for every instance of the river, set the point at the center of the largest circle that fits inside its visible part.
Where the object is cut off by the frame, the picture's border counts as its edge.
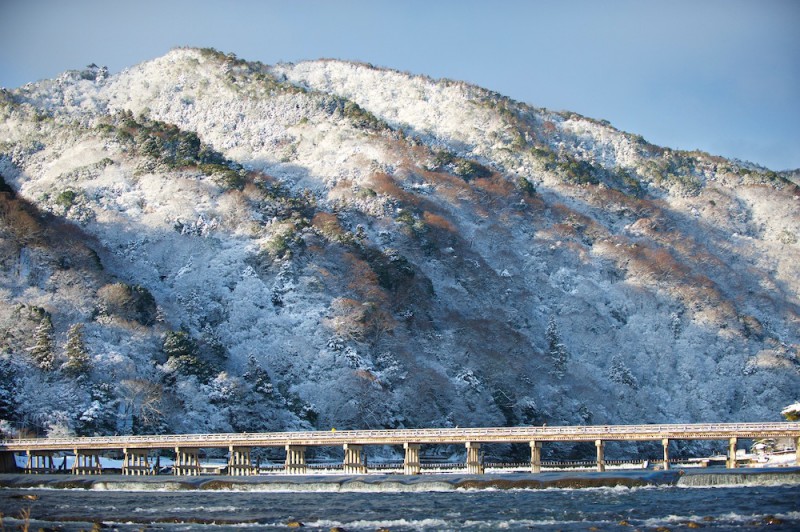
(711, 501)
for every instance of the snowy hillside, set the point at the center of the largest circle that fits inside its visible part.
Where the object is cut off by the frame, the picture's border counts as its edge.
(201, 243)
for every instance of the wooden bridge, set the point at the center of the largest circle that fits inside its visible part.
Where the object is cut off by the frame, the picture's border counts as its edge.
(137, 449)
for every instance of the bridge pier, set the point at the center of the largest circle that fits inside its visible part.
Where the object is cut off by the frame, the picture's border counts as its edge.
(187, 462)
(601, 455)
(665, 443)
(295, 460)
(474, 465)
(732, 453)
(239, 463)
(87, 462)
(411, 465)
(39, 462)
(536, 457)
(135, 462)
(353, 462)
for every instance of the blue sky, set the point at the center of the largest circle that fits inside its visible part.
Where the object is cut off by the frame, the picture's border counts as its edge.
(718, 75)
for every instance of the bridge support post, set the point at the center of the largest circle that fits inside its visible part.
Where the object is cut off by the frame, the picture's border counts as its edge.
(353, 463)
(601, 455)
(135, 462)
(474, 465)
(665, 443)
(732, 453)
(39, 462)
(87, 462)
(411, 465)
(295, 460)
(239, 462)
(187, 462)
(536, 457)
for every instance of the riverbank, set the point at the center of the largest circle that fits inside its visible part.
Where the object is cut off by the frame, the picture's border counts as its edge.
(404, 483)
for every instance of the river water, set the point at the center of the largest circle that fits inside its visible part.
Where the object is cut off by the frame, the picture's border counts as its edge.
(384, 505)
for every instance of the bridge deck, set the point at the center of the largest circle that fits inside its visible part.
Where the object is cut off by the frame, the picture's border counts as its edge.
(712, 431)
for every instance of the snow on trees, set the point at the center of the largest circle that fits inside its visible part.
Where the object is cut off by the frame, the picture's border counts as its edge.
(42, 350)
(7, 379)
(134, 303)
(792, 412)
(557, 350)
(78, 362)
(415, 218)
(621, 373)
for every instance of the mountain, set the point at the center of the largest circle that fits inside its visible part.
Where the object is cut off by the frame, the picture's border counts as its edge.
(202, 243)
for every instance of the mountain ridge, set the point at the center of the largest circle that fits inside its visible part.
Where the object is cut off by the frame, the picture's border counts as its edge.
(334, 244)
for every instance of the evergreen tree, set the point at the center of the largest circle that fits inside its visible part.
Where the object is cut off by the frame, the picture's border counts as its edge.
(621, 374)
(78, 362)
(188, 147)
(557, 350)
(260, 406)
(100, 416)
(258, 378)
(148, 145)
(42, 350)
(178, 344)
(182, 356)
(7, 379)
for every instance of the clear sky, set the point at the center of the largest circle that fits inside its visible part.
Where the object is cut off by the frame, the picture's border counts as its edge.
(718, 75)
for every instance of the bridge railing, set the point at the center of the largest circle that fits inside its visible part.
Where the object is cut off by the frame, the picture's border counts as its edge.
(399, 436)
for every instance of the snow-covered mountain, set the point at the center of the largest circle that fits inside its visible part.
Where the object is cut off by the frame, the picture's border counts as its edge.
(201, 243)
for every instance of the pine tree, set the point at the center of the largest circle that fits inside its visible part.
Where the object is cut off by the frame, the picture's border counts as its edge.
(621, 374)
(7, 380)
(149, 146)
(557, 350)
(42, 350)
(78, 362)
(260, 406)
(182, 356)
(258, 378)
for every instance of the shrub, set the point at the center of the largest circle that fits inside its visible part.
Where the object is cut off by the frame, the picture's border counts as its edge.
(20, 218)
(629, 182)
(362, 118)
(442, 158)
(392, 269)
(438, 222)
(787, 237)
(328, 226)
(66, 198)
(278, 245)
(791, 412)
(133, 303)
(469, 170)
(546, 156)
(169, 145)
(525, 186)
(226, 177)
(578, 172)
